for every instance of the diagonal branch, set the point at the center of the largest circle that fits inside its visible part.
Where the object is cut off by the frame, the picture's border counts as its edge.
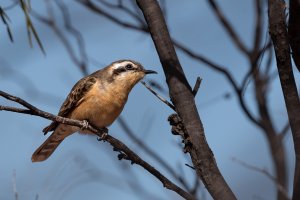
(225, 23)
(265, 172)
(80, 62)
(121, 147)
(92, 6)
(151, 153)
(228, 76)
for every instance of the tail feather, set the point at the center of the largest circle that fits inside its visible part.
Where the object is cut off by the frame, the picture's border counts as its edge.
(47, 148)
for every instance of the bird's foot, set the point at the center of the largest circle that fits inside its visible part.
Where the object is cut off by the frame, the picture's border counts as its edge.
(103, 133)
(85, 125)
(104, 130)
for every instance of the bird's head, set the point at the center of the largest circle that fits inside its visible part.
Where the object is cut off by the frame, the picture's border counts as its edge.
(127, 72)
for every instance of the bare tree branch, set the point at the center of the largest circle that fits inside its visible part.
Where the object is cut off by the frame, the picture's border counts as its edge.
(119, 6)
(159, 97)
(197, 86)
(279, 35)
(89, 4)
(77, 35)
(151, 153)
(227, 26)
(228, 76)
(82, 62)
(258, 26)
(183, 99)
(294, 31)
(253, 56)
(265, 172)
(126, 153)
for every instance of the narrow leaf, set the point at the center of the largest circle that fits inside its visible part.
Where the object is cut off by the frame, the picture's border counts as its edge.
(9, 34)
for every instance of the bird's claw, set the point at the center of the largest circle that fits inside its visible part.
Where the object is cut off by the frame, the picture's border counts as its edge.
(103, 133)
(104, 130)
(85, 125)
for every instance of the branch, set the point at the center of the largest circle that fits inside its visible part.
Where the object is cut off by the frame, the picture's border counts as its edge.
(227, 75)
(121, 147)
(159, 97)
(197, 86)
(294, 31)
(151, 153)
(198, 57)
(227, 26)
(77, 35)
(82, 62)
(183, 100)
(279, 36)
(266, 173)
(93, 7)
(258, 26)
(284, 130)
(119, 6)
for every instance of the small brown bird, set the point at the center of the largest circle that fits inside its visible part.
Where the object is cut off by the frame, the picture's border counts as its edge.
(98, 98)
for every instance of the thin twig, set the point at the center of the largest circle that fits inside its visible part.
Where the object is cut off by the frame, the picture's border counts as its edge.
(264, 172)
(80, 62)
(159, 97)
(227, 26)
(190, 166)
(197, 86)
(92, 6)
(76, 34)
(198, 57)
(120, 6)
(284, 130)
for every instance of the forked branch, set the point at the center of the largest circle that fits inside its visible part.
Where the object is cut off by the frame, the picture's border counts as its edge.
(126, 152)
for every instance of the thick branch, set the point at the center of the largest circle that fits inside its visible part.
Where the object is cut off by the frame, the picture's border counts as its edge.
(294, 30)
(121, 147)
(279, 36)
(183, 99)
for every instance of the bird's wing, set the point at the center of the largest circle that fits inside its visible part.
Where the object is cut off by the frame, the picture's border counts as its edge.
(73, 100)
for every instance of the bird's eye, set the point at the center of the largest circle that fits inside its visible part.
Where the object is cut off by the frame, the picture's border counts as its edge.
(129, 67)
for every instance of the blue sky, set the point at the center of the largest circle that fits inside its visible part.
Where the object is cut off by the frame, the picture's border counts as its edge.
(84, 168)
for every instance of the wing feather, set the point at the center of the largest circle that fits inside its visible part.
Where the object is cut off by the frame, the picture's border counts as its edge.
(73, 100)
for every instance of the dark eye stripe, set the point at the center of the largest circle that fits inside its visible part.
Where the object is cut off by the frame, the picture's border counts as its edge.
(119, 70)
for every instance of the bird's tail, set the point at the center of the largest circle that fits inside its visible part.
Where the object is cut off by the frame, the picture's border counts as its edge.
(48, 147)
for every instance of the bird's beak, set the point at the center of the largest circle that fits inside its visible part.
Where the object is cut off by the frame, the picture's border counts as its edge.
(150, 72)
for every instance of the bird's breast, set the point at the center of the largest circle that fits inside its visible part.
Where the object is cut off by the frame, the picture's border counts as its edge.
(100, 106)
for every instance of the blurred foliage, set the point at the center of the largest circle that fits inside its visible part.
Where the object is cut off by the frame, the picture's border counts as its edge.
(5, 20)
(30, 28)
(31, 31)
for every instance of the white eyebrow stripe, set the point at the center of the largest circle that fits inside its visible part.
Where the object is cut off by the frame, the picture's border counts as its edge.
(121, 64)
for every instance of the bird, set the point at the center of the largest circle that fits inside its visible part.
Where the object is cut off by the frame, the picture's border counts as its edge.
(97, 99)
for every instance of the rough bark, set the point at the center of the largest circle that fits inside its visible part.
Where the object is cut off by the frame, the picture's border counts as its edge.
(183, 99)
(279, 36)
